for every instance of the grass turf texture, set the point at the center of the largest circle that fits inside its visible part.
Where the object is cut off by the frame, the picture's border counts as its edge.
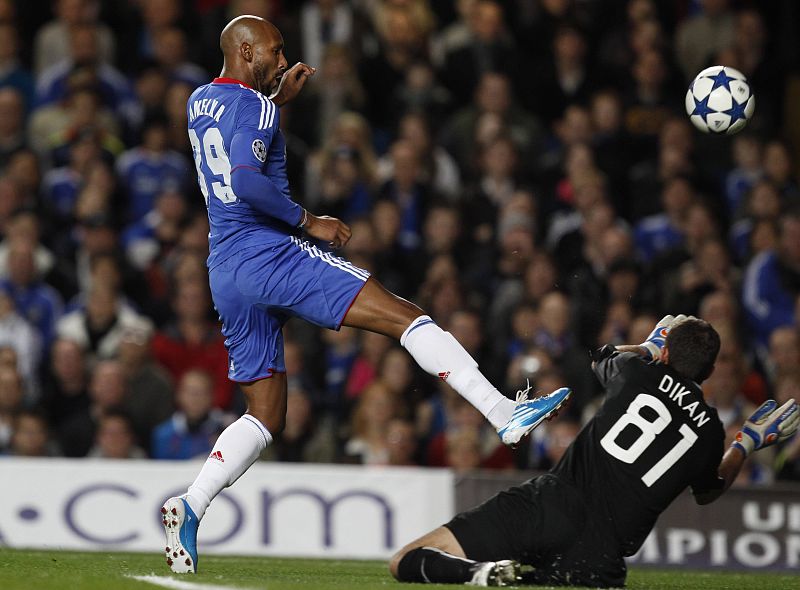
(57, 570)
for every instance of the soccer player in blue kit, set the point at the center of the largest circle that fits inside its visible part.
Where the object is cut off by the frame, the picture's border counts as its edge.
(262, 273)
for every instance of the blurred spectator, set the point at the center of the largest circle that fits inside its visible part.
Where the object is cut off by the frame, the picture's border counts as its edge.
(566, 72)
(402, 443)
(150, 240)
(193, 341)
(772, 283)
(364, 369)
(657, 233)
(784, 354)
(13, 75)
(341, 348)
(740, 180)
(408, 188)
(490, 49)
(34, 299)
(83, 58)
(99, 325)
(348, 136)
(149, 400)
(439, 169)
(195, 426)
(374, 411)
(115, 438)
(17, 334)
(31, 437)
(170, 53)
(107, 395)
(151, 168)
(12, 122)
(11, 404)
(454, 36)
(700, 36)
(335, 89)
(52, 41)
(777, 166)
(323, 22)
(65, 387)
(402, 35)
(467, 441)
(492, 111)
(651, 99)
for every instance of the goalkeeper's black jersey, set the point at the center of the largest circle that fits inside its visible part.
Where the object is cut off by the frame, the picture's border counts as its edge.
(653, 436)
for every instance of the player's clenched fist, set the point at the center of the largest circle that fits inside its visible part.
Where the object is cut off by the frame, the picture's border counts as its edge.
(292, 81)
(328, 229)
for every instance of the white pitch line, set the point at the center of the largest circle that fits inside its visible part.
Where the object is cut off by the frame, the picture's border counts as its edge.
(166, 582)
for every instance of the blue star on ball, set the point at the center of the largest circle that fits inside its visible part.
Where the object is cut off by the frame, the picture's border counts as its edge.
(736, 112)
(721, 79)
(702, 109)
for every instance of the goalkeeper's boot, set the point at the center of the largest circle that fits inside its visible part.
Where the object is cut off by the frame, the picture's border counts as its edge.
(180, 525)
(529, 413)
(495, 573)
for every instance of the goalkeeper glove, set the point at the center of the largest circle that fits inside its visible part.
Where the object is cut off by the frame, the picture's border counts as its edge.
(655, 341)
(768, 425)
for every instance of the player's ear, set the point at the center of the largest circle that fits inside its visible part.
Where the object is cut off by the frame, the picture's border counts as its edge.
(246, 50)
(665, 354)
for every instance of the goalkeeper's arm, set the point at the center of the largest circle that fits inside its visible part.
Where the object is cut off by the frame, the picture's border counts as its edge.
(765, 427)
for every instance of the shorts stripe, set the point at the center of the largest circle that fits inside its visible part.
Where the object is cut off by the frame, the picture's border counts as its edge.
(328, 258)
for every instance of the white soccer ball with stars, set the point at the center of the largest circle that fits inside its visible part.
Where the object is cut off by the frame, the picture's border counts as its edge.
(720, 100)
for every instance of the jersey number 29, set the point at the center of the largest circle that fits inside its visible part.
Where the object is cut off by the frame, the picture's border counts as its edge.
(648, 430)
(212, 149)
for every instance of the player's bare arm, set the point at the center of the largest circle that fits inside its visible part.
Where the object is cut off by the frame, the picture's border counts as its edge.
(292, 83)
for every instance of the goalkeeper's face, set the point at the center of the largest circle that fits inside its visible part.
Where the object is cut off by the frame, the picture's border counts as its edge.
(269, 63)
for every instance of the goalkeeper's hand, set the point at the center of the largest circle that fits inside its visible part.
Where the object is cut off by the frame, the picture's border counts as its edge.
(768, 425)
(655, 341)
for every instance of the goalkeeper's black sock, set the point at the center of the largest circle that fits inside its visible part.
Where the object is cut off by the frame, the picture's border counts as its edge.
(426, 564)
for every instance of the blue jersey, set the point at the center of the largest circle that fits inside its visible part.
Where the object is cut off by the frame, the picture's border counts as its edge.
(240, 155)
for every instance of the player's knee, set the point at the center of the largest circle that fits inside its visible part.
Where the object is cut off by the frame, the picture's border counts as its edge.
(275, 424)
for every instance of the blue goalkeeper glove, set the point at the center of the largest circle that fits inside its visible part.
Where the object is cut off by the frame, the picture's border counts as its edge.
(655, 341)
(768, 425)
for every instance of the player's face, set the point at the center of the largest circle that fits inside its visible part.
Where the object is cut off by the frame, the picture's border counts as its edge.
(269, 63)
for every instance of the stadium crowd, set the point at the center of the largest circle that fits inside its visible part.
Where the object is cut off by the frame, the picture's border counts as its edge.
(523, 169)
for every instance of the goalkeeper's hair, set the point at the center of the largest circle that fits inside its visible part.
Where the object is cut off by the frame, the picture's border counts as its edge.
(693, 347)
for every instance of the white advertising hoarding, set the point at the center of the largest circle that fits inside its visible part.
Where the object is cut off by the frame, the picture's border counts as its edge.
(274, 509)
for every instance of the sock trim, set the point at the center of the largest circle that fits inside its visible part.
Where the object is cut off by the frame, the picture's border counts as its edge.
(420, 321)
(261, 428)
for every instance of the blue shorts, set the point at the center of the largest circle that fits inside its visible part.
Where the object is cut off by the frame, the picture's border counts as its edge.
(256, 290)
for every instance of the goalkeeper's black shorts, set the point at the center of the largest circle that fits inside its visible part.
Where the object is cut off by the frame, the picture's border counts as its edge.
(543, 523)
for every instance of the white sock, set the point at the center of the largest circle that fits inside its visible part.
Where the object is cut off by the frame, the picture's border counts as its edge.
(441, 355)
(235, 451)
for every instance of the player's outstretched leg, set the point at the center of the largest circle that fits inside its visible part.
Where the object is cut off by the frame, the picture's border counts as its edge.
(529, 413)
(180, 527)
(439, 354)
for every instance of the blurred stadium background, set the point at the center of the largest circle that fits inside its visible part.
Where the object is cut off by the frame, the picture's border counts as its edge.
(523, 169)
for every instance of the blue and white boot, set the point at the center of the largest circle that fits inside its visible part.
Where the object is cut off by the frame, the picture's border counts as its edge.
(529, 413)
(180, 526)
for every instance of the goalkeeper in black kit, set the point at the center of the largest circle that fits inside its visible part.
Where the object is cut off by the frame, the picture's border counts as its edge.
(653, 436)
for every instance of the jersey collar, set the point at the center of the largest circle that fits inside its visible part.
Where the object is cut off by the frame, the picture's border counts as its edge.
(230, 81)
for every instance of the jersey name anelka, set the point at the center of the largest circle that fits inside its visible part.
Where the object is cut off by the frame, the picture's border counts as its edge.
(233, 126)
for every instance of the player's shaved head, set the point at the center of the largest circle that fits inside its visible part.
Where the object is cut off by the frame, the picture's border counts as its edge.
(252, 48)
(244, 29)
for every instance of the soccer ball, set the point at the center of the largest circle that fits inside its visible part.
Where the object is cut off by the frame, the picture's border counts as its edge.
(719, 100)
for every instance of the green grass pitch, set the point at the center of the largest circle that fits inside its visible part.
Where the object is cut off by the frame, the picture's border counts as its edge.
(59, 570)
